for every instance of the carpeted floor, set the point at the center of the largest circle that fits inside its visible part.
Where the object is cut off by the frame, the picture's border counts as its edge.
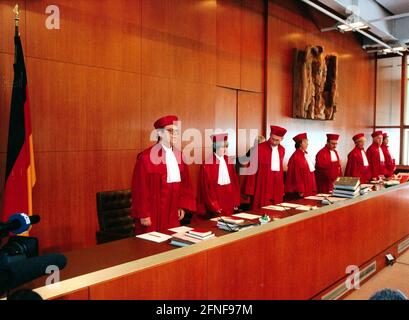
(392, 277)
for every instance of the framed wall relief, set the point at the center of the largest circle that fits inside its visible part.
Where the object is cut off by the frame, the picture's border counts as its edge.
(314, 84)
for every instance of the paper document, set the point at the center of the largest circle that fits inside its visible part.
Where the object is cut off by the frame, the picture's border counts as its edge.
(181, 229)
(277, 208)
(315, 198)
(335, 199)
(289, 205)
(323, 195)
(244, 215)
(154, 236)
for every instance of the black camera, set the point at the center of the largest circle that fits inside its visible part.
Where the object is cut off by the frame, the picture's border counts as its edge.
(18, 248)
(20, 262)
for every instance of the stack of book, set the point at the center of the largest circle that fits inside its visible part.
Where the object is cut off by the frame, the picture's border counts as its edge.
(346, 187)
(200, 234)
(191, 237)
(234, 224)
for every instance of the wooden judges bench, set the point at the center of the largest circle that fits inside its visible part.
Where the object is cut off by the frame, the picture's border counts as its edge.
(303, 255)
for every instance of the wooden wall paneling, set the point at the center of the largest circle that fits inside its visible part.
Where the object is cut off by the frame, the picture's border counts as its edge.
(193, 38)
(155, 104)
(226, 115)
(229, 268)
(6, 86)
(228, 43)
(252, 46)
(157, 50)
(181, 279)
(250, 116)
(287, 262)
(83, 108)
(194, 102)
(105, 33)
(65, 192)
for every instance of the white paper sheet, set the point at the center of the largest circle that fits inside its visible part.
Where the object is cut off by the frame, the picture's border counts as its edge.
(154, 236)
(315, 198)
(245, 215)
(323, 195)
(181, 229)
(334, 199)
(289, 205)
(277, 208)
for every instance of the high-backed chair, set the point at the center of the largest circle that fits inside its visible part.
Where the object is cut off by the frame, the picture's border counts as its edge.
(114, 215)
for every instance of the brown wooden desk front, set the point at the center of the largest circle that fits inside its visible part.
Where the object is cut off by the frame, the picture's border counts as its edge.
(296, 257)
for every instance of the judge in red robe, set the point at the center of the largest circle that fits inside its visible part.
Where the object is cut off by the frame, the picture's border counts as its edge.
(357, 164)
(264, 180)
(390, 165)
(161, 186)
(300, 179)
(218, 185)
(327, 165)
(375, 155)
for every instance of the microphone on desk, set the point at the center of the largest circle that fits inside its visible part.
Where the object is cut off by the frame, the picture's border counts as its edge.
(18, 223)
(15, 274)
(224, 221)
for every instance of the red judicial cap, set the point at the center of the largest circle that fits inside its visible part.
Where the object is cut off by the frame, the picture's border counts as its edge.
(332, 136)
(278, 131)
(219, 137)
(377, 133)
(300, 137)
(358, 136)
(385, 135)
(165, 121)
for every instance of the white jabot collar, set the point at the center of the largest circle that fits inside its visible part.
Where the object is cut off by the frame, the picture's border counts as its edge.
(223, 175)
(172, 167)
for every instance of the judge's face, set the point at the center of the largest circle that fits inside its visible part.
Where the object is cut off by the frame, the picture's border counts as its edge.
(304, 144)
(360, 143)
(169, 135)
(385, 141)
(378, 140)
(332, 144)
(222, 149)
(275, 140)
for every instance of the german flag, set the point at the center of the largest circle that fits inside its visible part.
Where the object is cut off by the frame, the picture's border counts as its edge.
(20, 171)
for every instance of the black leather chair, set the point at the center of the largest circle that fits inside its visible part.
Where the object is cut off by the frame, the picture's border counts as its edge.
(114, 216)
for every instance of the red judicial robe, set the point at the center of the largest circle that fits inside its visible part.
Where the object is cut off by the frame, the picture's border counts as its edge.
(326, 170)
(266, 186)
(153, 197)
(299, 178)
(390, 166)
(376, 166)
(211, 197)
(355, 166)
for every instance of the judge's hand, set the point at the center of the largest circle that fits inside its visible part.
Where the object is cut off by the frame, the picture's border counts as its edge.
(146, 222)
(236, 209)
(181, 214)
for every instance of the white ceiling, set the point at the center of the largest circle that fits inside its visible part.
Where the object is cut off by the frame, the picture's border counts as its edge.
(395, 6)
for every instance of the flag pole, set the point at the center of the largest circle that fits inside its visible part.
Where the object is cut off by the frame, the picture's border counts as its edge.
(16, 19)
